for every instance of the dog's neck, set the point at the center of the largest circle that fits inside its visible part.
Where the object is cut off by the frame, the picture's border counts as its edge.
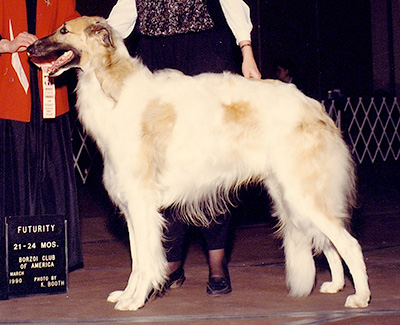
(112, 75)
(112, 68)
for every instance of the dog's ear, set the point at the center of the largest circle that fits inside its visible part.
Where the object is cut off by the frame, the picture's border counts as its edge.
(103, 31)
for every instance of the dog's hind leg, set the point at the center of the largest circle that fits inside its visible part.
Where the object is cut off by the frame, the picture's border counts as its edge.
(347, 247)
(330, 225)
(350, 250)
(149, 264)
(337, 273)
(308, 215)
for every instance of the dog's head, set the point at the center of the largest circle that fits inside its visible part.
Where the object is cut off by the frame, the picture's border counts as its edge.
(74, 44)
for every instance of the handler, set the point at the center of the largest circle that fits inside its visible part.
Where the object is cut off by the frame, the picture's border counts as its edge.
(36, 163)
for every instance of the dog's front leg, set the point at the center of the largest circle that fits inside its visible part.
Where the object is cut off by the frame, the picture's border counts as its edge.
(149, 264)
(127, 294)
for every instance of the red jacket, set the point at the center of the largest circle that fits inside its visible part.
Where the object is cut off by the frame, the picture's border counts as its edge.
(15, 104)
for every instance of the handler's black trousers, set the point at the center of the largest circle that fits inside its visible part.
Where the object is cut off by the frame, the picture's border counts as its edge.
(215, 236)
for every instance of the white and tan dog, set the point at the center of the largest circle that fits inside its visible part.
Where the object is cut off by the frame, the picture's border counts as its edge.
(169, 139)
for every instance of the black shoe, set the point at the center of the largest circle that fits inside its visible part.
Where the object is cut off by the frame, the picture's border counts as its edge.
(175, 280)
(219, 286)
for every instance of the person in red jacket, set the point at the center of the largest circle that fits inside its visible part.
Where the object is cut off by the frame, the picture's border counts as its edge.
(36, 163)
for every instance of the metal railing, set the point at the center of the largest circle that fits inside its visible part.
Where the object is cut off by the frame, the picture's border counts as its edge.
(370, 127)
(84, 150)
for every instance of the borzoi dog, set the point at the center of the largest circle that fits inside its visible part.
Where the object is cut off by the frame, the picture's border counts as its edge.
(172, 140)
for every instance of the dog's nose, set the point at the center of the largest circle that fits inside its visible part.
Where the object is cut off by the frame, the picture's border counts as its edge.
(30, 49)
(33, 48)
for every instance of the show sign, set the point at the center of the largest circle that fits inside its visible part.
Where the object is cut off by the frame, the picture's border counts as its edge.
(36, 255)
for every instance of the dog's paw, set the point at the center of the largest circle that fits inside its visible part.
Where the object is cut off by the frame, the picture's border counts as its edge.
(331, 287)
(130, 304)
(114, 296)
(126, 301)
(357, 301)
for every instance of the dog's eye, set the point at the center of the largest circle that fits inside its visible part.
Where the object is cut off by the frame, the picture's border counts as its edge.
(63, 30)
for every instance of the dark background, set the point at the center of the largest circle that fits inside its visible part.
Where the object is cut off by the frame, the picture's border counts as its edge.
(329, 41)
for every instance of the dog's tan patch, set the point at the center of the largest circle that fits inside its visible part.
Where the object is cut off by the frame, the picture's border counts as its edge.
(239, 112)
(158, 121)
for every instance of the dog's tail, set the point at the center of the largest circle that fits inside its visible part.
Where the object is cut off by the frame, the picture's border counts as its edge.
(300, 265)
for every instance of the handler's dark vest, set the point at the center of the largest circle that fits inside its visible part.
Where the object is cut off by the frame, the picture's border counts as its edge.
(170, 17)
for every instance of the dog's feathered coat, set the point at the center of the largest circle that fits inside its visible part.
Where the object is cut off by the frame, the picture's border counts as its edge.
(169, 139)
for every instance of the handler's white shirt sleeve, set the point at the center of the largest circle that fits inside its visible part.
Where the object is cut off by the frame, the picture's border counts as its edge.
(123, 17)
(237, 14)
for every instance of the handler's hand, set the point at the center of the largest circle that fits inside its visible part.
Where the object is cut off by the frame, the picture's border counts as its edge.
(249, 65)
(250, 69)
(19, 44)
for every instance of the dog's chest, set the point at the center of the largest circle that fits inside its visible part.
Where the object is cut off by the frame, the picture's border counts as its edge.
(94, 107)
